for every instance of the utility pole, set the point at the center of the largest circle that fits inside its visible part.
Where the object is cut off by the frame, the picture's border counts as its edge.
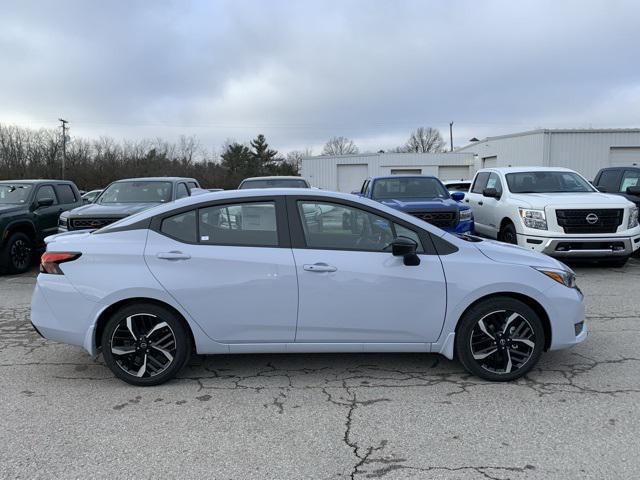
(451, 134)
(64, 144)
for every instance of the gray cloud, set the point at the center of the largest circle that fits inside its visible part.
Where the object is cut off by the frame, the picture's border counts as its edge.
(301, 71)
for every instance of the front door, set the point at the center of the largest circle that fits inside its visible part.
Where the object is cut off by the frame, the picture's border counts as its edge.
(46, 217)
(351, 289)
(228, 266)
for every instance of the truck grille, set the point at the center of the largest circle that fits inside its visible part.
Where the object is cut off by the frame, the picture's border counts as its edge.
(90, 223)
(439, 219)
(590, 221)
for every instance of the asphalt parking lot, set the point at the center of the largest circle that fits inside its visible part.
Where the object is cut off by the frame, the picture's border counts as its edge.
(577, 415)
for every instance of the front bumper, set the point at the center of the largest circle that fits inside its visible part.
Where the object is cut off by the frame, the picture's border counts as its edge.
(464, 226)
(581, 247)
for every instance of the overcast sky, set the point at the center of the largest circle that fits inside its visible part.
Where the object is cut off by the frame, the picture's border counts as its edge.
(302, 71)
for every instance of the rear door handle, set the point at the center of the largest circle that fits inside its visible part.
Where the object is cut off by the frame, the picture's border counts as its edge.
(319, 267)
(173, 256)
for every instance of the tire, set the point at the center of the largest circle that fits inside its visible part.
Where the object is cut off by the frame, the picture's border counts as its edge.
(17, 255)
(508, 234)
(614, 262)
(145, 344)
(502, 358)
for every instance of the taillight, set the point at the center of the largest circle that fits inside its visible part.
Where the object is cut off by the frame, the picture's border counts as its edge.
(50, 261)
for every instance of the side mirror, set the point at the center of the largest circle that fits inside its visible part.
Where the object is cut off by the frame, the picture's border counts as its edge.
(44, 202)
(407, 248)
(457, 196)
(355, 192)
(602, 189)
(635, 190)
(491, 193)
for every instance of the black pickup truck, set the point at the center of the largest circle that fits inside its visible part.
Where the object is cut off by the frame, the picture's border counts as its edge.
(623, 181)
(29, 211)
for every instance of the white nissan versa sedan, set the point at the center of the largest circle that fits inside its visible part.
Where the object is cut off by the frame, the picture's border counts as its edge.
(249, 271)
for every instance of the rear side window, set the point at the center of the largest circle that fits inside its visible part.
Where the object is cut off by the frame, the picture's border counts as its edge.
(181, 227)
(244, 224)
(181, 191)
(480, 183)
(66, 194)
(46, 191)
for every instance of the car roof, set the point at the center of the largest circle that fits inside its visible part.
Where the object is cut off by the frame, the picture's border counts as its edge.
(154, 179)
(448, 182)
(261, 192)
(36, 181)
(276, 177)
(525, 169)
(380, 177)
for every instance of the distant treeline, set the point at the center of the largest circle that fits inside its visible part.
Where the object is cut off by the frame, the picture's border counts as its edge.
(27, 153)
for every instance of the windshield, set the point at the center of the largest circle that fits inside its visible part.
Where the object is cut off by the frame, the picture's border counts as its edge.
(409, 187)
(274, 183)
(14, 193)
(136, 192)
(547, 182)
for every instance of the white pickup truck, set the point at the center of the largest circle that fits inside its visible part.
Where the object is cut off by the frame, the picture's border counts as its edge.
(554, 211)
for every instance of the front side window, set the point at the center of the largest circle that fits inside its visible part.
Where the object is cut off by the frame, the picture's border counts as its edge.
(629, 179)
(547, 182)
(181, 191)
(14, 193)
(341, 227)
(494, 182)
(409, 187)
(274, 183)
(136, 192)
(46, 191)
(480, 183)
(244, 224)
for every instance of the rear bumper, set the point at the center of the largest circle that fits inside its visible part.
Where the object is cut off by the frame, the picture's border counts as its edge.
(581, 247)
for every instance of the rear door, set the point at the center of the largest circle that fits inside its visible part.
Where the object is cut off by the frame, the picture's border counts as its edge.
(230, 265)
(351, 288)
(475, 199)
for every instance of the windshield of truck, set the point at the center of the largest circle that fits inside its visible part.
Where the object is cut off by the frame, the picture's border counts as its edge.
(136, 192)
(547, 182)
(409, 187)
(14, 193)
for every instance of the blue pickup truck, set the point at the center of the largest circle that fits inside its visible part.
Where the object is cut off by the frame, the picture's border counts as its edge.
(422, 196)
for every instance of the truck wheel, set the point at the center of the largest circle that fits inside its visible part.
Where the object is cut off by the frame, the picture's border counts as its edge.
(17, 254)
(508, 234)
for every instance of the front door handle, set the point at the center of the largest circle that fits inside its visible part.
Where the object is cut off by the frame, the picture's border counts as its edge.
(319, 267)
(480, 202)
(173, 256)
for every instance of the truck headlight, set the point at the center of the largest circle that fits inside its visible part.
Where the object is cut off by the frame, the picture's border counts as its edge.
(466, 215)
(533, 218)
(633, 218)
(63, 222)
(565, 277)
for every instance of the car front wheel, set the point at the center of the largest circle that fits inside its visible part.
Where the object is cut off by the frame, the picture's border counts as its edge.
(145, 344)
(500, 339)
(17, 254)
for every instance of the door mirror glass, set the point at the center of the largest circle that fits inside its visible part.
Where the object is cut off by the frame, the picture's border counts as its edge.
(491, 193)
(44, 202)
(457, 196)
(407, 248)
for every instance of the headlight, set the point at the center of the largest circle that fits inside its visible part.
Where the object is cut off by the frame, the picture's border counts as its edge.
(533, 218)
(633, 218)
(466, 214)
(63, 222)
(565, 277)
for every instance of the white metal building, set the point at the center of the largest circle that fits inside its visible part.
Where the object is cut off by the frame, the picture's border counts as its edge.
(585, 151)
(345, 173)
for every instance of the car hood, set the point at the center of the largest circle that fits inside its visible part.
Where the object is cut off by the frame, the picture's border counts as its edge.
(110, 210)
(416, 204)
(11, 208)
(506, 253)
(541, 200)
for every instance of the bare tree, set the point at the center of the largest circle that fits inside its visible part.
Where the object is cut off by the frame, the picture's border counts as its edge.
(424, 140)
(294, 157)
(339, 146)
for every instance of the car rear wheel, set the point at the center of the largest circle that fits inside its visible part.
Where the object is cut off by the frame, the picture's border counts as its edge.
(508, 234)
(145, 344)
(500, 339)
(17, 254)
